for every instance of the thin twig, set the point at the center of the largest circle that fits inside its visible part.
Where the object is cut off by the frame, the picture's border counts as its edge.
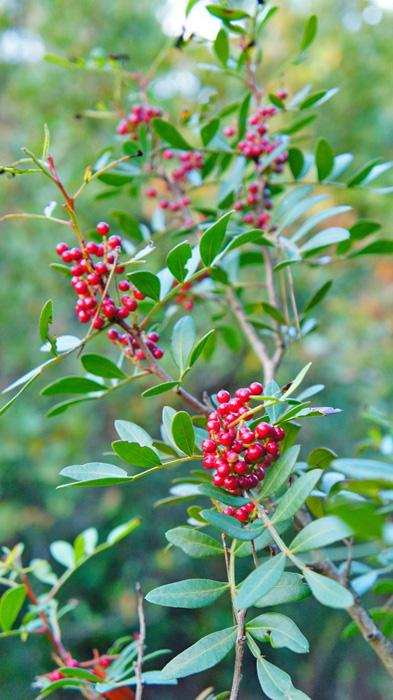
(240, 641)
(141, 645)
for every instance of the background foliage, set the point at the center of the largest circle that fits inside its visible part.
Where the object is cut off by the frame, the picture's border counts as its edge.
(353, 357)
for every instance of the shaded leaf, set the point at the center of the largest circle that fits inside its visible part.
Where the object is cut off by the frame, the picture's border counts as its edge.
(207, 652)
(327, 591)
(191, 593)
(260, 581)
(102, 367)
(194, 543)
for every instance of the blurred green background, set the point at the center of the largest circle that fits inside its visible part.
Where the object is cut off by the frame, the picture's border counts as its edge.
(351, 351)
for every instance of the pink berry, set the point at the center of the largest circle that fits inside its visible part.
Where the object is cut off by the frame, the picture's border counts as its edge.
(102, 228)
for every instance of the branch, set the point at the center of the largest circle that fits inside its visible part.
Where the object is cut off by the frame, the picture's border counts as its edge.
(369, 630)
(252, 336)
(141, 644)
(240, 640)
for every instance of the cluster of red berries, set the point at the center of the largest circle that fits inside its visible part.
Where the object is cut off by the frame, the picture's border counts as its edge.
(92, 265)
(186, 297)
(257, 204)
(237, 454)
(176, 200)
(257, 142)
(138, 115)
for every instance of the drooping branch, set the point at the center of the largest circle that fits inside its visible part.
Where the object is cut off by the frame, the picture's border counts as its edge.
(141, 645)
(369, 630)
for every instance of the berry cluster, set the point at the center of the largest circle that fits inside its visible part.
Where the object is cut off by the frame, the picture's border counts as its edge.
(257, 142)
(138, 115)
(93, 266)
(186, 297)
(257, 204)
(237, 454)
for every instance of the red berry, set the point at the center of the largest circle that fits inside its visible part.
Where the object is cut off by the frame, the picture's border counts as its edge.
(83, 316)
(164, 204)
(253, 188)
(102, 228)
(151, 192)
(279, 433)
(108, 309)
(81, 287)
(229, 510)
(122, 312)
(241, 515)
(91, 248)
(240, 468)
(139, 354)
(67, 256)
(129, 302)
(223, 396)
(217, 480)
(90, 303)
(114, 242)
(93, 279)
(158, 353)
(255, 452)
(138, 295)
(76, 254)
(101, 269)
(209, 461)
(223, 470)
(167, 154)
(55, 676)
(124, 285)
(249, 507)
(246, 436)
(98, 323)
(272, 447)
(226, 439)
(61, 248)
(263, 430)
(113, 334)
(154, 337)
(256, 388)
(243, 394)
(230, 483)
(105, 662)
(209, 445)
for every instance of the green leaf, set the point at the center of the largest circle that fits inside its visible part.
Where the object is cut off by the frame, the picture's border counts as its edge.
(194, 543)
(191, 593)
(380, 247)
(131, 432)
(274, 313)
(364, 469)
(207, 652)
(320, 533)
(280, 629)
(294, 498)
(209, 130)
(283, 468)
(318, 98)
(10, 605)
(63, 553)
(135, 454)
(260, 581)
(147, 283)
(296, 162)
(46, 319)
(213, 238)
(361, 175)
(297, 381)
(276, 683)
(221, 496)
(325, 238)
(321, 457)
(226, 13)
(102, 367)
(72, 385)
(230, 525)
(310, 32)
(363, 228)
(288, 589)
(318, 296)
(121, 531)
(327, 591)
(93, 471)
(74, 672)
(183, 432)
(221, 46)
(168, 133)
(182, 341)
(324, 159)
(200, 346)
(177, 259)
(159, 388)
